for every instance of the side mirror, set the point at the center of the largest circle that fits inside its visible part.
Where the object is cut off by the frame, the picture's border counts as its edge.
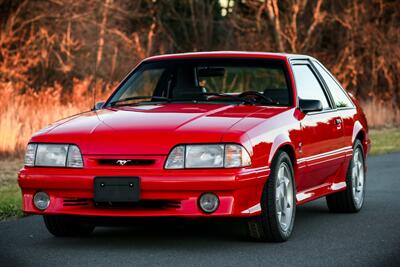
(310, 105)
(98, 105)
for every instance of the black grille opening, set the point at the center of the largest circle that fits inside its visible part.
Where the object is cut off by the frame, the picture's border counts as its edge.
(76, 202)
(143, 204)
(126, 162)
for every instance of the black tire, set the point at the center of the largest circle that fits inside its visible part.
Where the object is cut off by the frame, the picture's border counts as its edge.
(64, 226)
(345, 201)
(266, 227)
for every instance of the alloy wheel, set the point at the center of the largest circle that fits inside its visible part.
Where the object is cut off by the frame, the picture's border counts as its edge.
(357, 176)
(284, 197)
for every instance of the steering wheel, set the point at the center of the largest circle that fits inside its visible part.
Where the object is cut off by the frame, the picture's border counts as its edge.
(255, 95)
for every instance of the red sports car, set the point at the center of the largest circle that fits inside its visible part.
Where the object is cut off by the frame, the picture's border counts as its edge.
(216, 134)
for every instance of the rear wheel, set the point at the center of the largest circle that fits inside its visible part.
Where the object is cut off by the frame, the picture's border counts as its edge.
(60, 225)
(352, 199)
(278, 203)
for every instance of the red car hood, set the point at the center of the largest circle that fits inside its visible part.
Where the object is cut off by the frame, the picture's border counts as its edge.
(151, 129)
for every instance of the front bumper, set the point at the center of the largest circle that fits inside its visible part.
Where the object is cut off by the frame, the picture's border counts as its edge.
(176, 191)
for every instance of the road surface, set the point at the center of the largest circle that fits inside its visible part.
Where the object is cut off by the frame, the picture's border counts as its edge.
(371, 237)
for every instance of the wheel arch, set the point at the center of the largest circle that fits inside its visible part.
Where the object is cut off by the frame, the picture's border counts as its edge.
(360, 133)
(283, 143)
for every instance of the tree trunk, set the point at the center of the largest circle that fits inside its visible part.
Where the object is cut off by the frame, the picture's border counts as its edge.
(103, 27)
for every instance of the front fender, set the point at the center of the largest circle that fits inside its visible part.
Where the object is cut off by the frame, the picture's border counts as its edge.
(279, 141)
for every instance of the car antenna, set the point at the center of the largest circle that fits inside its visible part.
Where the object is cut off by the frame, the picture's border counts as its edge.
(94, 87)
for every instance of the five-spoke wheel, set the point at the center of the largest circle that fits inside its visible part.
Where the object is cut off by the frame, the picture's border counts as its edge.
(284, 196)
(351, 199)
(278, 206)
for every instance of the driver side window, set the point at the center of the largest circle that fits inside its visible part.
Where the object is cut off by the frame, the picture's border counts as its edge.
(308, 86)
(142, 83)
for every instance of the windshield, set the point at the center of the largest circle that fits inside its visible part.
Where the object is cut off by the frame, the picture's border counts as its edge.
(265, 82)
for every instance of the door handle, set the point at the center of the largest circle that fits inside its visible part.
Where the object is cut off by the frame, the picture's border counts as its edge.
(338, 121)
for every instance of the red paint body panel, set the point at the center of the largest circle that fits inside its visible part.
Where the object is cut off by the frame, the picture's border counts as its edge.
(236, 190)
(321, 152)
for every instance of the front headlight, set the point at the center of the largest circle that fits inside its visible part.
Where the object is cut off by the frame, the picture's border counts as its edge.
(53, 155)
(208, 156)
(204, 156)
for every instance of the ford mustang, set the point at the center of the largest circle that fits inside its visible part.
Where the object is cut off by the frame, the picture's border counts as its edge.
(212, 134)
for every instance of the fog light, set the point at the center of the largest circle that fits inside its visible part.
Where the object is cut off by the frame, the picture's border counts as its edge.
(209, 202)
(41, 200)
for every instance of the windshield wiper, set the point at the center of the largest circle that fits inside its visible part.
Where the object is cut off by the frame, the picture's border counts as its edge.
(224, 96)
(234, 97)
(115, 103)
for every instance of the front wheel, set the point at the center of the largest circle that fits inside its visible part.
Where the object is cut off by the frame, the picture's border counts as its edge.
(352, 199)
(60, 225)
(278, 203)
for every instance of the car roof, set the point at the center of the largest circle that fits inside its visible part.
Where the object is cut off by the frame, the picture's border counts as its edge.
(236, 54)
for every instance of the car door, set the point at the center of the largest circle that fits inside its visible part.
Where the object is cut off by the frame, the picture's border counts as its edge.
(344, 106)
(321, 132)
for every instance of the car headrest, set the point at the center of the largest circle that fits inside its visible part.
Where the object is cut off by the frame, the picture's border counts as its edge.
(279, 95)
(189, 92)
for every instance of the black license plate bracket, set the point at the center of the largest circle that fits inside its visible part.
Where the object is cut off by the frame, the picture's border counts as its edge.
(116, 189)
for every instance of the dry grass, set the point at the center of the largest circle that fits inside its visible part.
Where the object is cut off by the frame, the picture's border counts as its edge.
(10, 194)
(385, 140)
(380, 114)
(23, 114)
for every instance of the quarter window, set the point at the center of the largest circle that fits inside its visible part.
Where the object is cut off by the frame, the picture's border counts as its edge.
(308, 86)
(339, 96)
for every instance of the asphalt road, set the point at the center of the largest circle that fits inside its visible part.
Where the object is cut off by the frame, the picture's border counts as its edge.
(371, 237)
